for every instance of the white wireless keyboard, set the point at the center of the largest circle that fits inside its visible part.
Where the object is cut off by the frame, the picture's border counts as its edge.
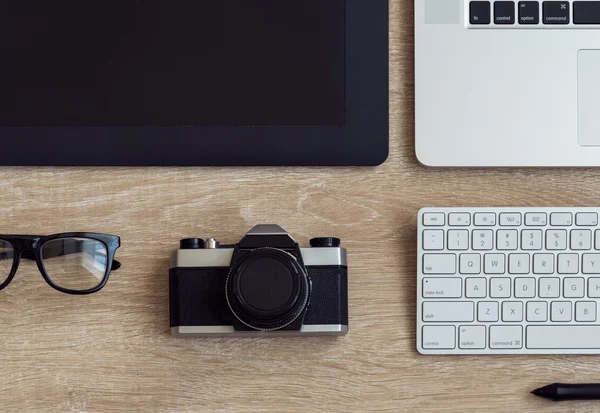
(508, 281)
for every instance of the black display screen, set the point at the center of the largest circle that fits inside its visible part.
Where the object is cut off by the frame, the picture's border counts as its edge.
(172, 63)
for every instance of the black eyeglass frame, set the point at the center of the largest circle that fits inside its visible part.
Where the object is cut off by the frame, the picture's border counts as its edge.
(30, 247)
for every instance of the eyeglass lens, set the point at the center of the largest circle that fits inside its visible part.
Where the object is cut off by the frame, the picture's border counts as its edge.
(76, 264)
(7, 257)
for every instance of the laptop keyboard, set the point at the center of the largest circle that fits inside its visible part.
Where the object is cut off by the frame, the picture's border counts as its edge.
(531, 14)
(508, 281)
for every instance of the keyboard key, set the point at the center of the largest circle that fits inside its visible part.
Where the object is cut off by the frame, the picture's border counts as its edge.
(512, 311)
(535, 219)
(500, 288)
(439, 337)
(494, 264)
(554, 337)
(561, 311)
(586, 12)
(471, 337)
(556, 239)
(480, 12)
(525, 287)
(504, 12)
(445, 311)
(485, 219)
(556, 12)
(518, 264)
(439, 264)
(549, 288)
(561, 219)
(510, 219)
(458, 239)
(459, 219)
(477, 287)
(581, 239)
(594, 287)
(531, 239)
(487, 311)
(573, 287)
(434, 219)
(543, 263)
(442, 287)
(506, 337)
(507, 239)
(568, 263)
(586, 219)
(470, 263)
(597, 241)
(591, 264)
(537, 311)
(433, 240)
(483, 239)
(585, 311)
(529, 13)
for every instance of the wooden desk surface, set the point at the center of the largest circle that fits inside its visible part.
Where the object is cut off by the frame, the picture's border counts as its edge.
(113, 351)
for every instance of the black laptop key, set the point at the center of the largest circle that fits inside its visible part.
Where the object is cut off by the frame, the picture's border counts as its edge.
(556, 12)
(480, 12)
(504, 12)
(529, 12)
(586, 12)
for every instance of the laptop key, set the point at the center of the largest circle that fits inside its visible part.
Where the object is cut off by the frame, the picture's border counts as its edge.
(529, 12)
(504, 12)
(586, 12)
(480, 12)
(556, 12)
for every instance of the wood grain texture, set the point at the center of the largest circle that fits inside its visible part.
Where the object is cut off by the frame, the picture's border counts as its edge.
(112, 351)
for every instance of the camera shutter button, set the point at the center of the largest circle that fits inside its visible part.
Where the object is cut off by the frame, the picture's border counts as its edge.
(211, 243)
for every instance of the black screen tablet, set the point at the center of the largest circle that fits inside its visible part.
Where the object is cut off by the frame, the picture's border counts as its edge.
(193, 82)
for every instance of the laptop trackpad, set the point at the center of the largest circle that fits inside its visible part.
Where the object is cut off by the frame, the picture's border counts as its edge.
(588, 97)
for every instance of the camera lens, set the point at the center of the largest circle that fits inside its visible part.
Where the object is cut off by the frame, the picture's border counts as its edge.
(267, 289)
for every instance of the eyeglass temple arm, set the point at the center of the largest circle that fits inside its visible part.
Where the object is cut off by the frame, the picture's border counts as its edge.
(51, 253)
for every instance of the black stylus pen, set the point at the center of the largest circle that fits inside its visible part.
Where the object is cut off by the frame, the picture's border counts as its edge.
(559, 392)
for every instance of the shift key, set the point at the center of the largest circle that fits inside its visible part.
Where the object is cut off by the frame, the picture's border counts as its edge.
(586, 12)
(448, 311)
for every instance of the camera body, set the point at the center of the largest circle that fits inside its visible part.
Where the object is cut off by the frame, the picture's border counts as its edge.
(266, 285)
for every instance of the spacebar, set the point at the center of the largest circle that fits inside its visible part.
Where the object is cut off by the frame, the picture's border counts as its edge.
(586, 12)
(563, 337)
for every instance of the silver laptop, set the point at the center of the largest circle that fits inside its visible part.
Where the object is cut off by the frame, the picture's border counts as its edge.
(507, 83)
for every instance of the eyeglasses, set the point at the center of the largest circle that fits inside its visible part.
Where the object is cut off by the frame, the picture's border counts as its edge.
(73, 262)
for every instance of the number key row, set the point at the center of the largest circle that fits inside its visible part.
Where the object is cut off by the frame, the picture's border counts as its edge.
(510, 239)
